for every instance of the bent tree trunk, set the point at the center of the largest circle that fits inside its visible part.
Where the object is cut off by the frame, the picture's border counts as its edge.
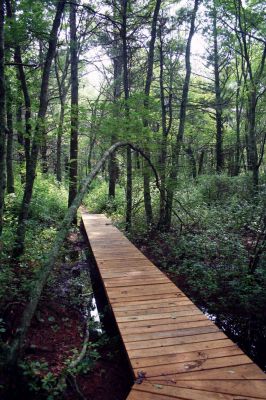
(51, 257)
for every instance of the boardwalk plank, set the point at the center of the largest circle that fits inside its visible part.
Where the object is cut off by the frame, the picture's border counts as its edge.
(191, 356)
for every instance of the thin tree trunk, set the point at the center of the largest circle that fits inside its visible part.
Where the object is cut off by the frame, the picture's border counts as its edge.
(201, 162)
(2, 117)
(62, 90)
(182, 121)
(238, 114)
(126, 95)
(73, 156)
(165, 130)
(218, 99)
(252, 142)
(192, 161)
(149, 75)
(21, 148)
(113, 167)
(59, 143)
(31, 169)
(9, 148)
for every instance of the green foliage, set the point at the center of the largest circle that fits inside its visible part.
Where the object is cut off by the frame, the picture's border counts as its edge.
(47, 209)
(98, 201)
(40, 380)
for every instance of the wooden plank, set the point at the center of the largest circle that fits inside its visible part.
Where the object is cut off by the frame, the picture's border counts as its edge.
(174, 315)
(183, 354)
(184, 348)
(144, 297)
(138, 395)
(170, 333)
(146, 304)
(240, 387)
(225, 368)
(148, 344)
(187, 393)
(134, 281)
(131, 330)
(151, 311)
(231, 366)
(190, 356)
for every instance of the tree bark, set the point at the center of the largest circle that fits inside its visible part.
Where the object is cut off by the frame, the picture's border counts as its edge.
(38, 134)
(113, 165)
(126, 96)
(149, 75)
(9, 148)
(201, 162)
(182, 121)
(165, 129)
(21, 148)
(218, 98)
(63, 88)
(73, 156)
(2, 116)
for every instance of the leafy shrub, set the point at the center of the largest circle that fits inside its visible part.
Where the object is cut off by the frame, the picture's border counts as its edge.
(97, 200)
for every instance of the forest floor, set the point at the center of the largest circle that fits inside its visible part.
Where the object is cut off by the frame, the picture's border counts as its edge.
(56, 336)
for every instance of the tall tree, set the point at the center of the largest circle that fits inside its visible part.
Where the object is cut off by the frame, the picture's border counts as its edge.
(73, 156)
(2, 116)
(182, 120)
(9, 147)
(148, 82)
(218, 96)
(63, 83)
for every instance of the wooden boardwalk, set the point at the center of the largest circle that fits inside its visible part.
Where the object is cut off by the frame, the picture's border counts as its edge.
(174, 350)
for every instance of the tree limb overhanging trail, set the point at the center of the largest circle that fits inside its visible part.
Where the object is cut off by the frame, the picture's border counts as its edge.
(51, 257)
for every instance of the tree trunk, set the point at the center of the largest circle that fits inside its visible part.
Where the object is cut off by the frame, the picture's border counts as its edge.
(59, 143)
(113, 167)
(126, 95)
(201, 162)
(192, 161)
(182, 121)
(165, 130)
(21, 148)
(218, 99)
(2, 117)
(252, 142)
(149, 75)
(9, 148)
(73, 156)
(31, 169)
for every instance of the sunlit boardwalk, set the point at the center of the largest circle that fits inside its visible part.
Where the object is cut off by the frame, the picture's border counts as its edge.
(175, 351)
